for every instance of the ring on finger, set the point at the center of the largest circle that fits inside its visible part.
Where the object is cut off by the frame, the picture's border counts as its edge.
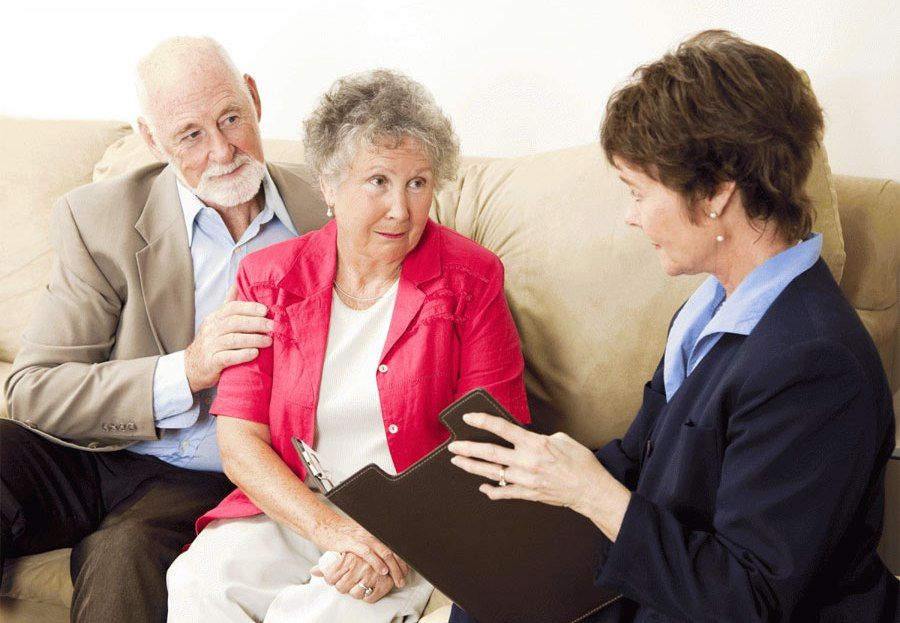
(502, 480)
(367, 590)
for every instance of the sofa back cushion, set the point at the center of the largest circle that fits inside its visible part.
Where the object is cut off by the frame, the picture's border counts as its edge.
(41, 160)
(589, 297)
(870, 219)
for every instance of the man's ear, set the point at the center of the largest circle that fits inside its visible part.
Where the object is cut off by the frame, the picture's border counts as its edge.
(254, 95)
(147, 135)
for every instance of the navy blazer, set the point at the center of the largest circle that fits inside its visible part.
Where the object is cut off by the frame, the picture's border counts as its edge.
(758, 491)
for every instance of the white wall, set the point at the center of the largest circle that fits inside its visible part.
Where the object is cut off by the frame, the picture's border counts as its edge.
(516, 77)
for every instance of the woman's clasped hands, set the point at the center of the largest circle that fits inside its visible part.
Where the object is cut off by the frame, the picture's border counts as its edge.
(366, 569)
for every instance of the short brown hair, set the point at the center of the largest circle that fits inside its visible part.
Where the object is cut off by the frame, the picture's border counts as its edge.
(720, 108)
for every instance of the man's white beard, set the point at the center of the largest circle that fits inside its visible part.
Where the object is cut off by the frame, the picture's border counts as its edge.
(212, 189)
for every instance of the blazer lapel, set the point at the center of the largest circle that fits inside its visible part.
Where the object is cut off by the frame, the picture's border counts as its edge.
(303, 202)
(165, 267)
(422, 264)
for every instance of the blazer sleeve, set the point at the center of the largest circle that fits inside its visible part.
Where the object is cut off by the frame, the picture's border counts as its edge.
(490, 352)
(62, 381)
(800, 449)
(622, 458)
(245, 390)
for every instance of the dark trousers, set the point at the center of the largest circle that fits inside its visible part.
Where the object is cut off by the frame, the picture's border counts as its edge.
(126, 517)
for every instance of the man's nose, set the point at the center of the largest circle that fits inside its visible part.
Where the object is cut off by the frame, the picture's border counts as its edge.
(220, 149)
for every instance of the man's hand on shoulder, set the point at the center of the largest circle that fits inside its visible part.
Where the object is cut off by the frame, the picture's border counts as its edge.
(232, 334)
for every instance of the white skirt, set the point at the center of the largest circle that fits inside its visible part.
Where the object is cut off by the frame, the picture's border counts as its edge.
(254, 569)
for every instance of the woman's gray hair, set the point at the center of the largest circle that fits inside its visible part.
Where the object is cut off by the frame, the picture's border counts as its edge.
(368, 108)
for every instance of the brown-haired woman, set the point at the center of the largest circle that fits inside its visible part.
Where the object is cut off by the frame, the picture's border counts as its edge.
(750, 486)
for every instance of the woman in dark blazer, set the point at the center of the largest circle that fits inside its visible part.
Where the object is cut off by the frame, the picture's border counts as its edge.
(750, 487)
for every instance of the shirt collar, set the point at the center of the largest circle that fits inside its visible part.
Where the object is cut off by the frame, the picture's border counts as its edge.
(742, 311)
(191, 205)
(709, 314)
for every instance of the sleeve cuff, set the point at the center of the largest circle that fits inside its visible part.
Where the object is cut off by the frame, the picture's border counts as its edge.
(173, 403)
(616, 565)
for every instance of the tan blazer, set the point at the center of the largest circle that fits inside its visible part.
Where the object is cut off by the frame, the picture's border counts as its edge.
(121, 294)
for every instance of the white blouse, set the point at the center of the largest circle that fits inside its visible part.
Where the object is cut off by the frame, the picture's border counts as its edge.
(349, 424)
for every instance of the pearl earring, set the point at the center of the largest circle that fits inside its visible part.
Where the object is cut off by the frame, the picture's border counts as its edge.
(713, 215)
(720, 238)
(329, 212)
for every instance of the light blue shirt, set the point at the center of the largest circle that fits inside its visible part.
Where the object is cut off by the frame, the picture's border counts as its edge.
(708, 314)
(187, 431)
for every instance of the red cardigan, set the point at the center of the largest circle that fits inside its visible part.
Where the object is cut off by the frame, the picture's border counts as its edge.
(451, 331)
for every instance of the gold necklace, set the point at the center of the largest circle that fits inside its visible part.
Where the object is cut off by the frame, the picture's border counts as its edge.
(361, 299)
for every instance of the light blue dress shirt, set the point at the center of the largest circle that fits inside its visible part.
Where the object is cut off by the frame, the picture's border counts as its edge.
(708, 314)
(188, 432)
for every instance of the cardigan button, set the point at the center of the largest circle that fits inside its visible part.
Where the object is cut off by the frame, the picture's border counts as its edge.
(393, 428)
(382, 368)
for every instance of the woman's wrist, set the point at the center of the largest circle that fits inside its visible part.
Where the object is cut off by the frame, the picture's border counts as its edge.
(604, 502)
(320, 526)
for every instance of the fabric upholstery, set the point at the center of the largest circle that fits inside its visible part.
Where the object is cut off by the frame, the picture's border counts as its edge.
(5, 367)
(26, 611)
(42, 577)
(870, 214)
(40, 161)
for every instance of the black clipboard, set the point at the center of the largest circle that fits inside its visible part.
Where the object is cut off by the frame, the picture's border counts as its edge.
(506, 561)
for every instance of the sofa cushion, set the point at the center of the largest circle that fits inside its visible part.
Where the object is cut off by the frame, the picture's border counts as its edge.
(588, 294)
(870, 213)
(5, 367)
(41, 577)
(41, 160)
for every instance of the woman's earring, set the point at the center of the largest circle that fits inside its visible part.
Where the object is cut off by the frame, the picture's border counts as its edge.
(329, 212)
(714, 216)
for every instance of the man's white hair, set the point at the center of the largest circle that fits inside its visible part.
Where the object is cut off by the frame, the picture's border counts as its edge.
(173, 59)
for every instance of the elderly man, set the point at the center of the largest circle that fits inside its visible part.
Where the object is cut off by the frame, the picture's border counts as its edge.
(112, 450)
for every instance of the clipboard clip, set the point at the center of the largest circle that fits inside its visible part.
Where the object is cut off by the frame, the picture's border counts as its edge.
(321, 480)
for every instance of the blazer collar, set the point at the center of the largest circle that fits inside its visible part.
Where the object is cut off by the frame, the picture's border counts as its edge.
(161, 208)
(304, 205)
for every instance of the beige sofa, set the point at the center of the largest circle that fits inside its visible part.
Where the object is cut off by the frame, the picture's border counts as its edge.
(587, 293)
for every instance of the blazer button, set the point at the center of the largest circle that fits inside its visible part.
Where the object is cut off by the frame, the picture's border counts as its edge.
(392, 429)
(382, 368)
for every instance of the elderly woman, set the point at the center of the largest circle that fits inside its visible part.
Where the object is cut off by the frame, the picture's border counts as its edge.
(380, 320)
(750, 486)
